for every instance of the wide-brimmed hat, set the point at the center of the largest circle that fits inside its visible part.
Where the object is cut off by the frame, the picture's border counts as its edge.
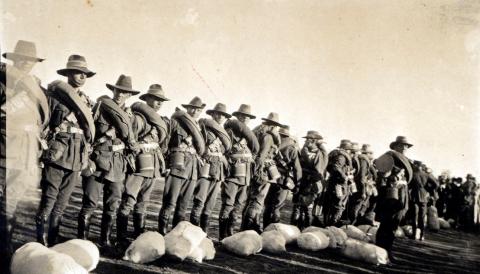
(246, 110)
(418, 163)
(156, 91)
(400, 140)
(313, 134)
(23, 50)
(196, 102)
(76, 63)
(124, 83)
(355, 147)
(366, 148)
(284, 130)
(345, 144)
(470, 176)
(272, 119)
(219, 108)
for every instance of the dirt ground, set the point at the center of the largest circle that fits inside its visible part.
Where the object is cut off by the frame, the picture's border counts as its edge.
(448, 251)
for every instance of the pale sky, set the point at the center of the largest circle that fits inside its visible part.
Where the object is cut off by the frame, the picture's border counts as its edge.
(363, 70)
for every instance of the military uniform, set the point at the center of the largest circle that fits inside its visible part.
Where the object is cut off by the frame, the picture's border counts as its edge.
(240, 159)
(180, 183)
(288, 163)
(358, 200)
(337, 193)
(112, 153)
(262, 178)
(418, 200)
(150, 165)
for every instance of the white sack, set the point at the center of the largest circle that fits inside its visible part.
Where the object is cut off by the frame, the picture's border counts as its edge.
(371, 232)
(289, 232)
(339, 234)
(204, 251)
(399, 233)
(444, 224)
(243, 243)
(84, 252)
(181, 241)
(408, 230)
(313, 241)
(148, 247)
(273, 241)
(369, 253)
(355, 233)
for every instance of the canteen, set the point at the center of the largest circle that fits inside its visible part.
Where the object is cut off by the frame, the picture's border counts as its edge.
(177, 159)
(273, 173)
(205, 170)
(145, 162)
(240, 170)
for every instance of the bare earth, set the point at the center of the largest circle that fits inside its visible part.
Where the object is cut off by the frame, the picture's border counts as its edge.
(448, 251)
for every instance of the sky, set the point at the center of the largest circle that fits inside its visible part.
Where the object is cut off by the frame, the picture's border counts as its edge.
(360, 70)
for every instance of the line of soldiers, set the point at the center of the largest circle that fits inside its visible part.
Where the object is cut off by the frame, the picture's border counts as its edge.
(122, 151)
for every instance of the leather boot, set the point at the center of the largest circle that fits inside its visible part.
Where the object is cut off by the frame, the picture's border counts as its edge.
(106, 230)
(204, 223)
(53, 229)
(163, 224)
(122, 227)
(194, 219)
(41, 223)
(222, 228)
(177, 218)
(267, 219)
(230, 226)
(138, 224)
(83, 226)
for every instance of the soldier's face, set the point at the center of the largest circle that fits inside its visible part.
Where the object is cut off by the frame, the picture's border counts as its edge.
(120, 97)
(243, 118)
(77, 79)
(25, 65)
(219, 118)
(401, 148)
(310, 143)
(194, 112)
(156, 104)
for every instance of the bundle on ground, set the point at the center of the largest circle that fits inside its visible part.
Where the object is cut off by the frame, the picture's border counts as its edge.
(331, 236)
(339, 234)
(181, 241)
(147, 248)
(85, 253)
(371, 232)
(244, 243)
(313, 241)
(273, 241)
(399, 233)
(36, 258)
(408, 230)
(289, 232)
(369, 253)
(443, 223)
(204, 251)
(355, 233)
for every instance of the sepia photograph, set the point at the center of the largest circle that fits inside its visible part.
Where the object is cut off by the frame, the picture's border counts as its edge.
(255, 136)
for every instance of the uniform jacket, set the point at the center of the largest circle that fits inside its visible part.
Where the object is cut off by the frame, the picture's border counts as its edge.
(288, 160)
(339, 164)
(418, 192)
(362, 173)
(181, 139)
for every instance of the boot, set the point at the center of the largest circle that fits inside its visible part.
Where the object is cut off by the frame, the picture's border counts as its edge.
(122, 227)
(177, 219)
(222, 228)
(106, 230)
(230, 226)
(138, 224)
(194, 219)
(83, 226)
(163, 224)
(41, 223)
(267, 219)
(53, 229)
(204, 223)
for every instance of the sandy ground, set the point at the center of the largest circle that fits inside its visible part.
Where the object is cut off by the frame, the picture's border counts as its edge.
(448, 251)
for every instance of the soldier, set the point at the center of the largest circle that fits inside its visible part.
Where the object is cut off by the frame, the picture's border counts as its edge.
(336, 196)
(443, 192)
(266, 171)
(186, 145)
(358, 200)
(418, 200)
(467, 208)
(367, 211)
(71, 134)
(151, 132)
(114, 141)
(288, 163)
(240, 159)
(214, 167)
(24, 102)
(394, 173)
(314, 161)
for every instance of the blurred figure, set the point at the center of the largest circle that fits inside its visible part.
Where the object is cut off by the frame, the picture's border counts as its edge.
(467, 209)
(367, 211)
(24, 115)
(419, 198)
(358, 200)
(444, 190)
(394, 173)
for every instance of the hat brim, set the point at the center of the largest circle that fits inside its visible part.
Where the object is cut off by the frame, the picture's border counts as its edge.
(272, 122)
(146, 95)
(236, 113)
(212, 111)
(65, 71)
(14, 56)
(284, 134)
(192, 106)
(127, 90)
(395, 143)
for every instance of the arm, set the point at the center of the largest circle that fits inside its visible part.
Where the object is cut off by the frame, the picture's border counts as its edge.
(337, 167)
